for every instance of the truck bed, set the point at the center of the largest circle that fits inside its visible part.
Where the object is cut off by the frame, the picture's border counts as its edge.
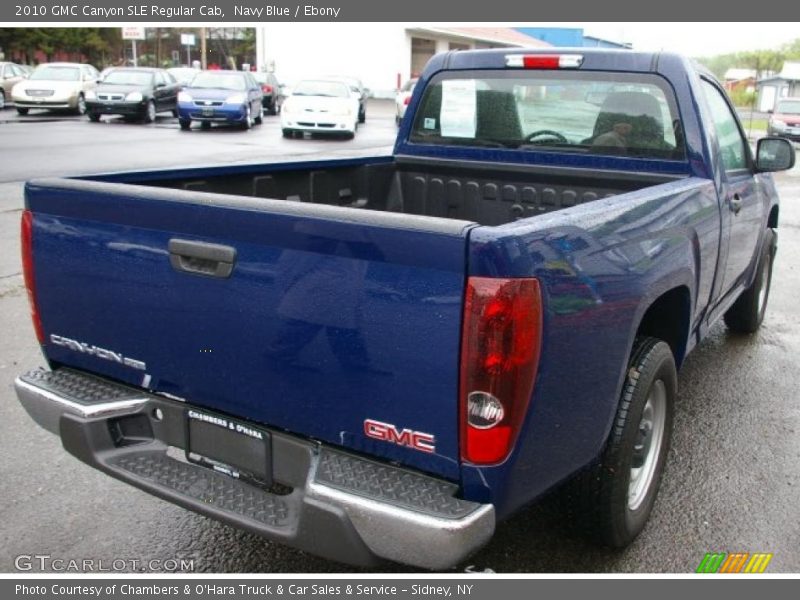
(483, 193)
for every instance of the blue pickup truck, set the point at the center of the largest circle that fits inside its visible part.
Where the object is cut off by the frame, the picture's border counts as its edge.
(380, 358)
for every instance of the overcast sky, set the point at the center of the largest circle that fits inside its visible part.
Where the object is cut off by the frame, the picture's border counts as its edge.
(694, 39)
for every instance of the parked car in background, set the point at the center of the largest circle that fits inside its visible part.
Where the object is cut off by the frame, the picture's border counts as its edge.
(183, 75)
(231, 97)
(10, 75)
(56, 86)
(321, 106)
(785, 119)
(402, 98)
(360, 91)
(272, 90)
(134, 93)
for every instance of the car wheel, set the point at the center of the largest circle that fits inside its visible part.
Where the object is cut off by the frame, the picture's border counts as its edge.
(205, 125)
(362, 115)
(2, 99)
(80, 107)
(271, 108)
(397, 121)
(93, 116)
(185, 124)
(175, 112)
(747, 313)
(613, 498)
(22, 111)
(248, 118)
(149, 112)
(260, 118)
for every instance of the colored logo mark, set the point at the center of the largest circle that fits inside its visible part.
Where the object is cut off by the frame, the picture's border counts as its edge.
(735, 562)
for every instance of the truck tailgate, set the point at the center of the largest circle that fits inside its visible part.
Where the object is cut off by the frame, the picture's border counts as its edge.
(328, 317)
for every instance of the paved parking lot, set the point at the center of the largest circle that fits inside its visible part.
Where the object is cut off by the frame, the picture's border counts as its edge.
(733, 473)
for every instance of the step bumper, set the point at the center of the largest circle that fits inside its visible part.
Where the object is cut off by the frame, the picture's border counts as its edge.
(323, 500)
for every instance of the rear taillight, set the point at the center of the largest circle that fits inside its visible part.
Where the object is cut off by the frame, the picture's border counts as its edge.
(544, 61)
(26, 238)
(267, 89)
(500, 342)
(407, 100)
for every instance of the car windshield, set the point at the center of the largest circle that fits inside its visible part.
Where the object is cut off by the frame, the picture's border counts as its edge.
(332, 89)
(552, 111)
(119, 77)
(789, 107)
(56, 74)
(208, 80)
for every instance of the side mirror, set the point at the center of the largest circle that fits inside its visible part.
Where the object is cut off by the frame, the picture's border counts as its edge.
(774, 154)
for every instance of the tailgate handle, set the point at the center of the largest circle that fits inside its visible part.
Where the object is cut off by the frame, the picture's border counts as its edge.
(202, 258)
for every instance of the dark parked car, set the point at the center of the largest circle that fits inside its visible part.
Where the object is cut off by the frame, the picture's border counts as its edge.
(231, 97)
(273, 94)
(134, 93)
(785, 120)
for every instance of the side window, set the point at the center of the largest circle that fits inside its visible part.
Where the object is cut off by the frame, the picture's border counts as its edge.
(160, 78)
(731, 144)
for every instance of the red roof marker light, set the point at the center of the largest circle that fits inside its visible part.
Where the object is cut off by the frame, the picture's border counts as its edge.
(544, 61)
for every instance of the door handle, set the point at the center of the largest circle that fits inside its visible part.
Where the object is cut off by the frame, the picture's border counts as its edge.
(202, 258)
(736, 203)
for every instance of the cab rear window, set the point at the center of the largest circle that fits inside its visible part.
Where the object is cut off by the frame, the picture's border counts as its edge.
(619, 114)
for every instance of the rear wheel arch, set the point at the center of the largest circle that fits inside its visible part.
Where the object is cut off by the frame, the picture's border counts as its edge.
(667, 318)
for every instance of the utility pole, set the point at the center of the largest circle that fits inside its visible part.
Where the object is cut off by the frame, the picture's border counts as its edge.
(203, 60)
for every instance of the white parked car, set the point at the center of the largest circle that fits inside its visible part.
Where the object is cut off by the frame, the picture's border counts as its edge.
(320, 106)
(56, 86)
(402, 98)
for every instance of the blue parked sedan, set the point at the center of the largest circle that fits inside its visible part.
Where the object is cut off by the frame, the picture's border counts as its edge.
(229, 97)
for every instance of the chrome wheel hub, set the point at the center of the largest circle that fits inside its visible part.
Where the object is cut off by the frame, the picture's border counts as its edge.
(647, 445)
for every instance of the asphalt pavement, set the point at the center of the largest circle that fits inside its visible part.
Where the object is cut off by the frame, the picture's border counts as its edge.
(732, 481)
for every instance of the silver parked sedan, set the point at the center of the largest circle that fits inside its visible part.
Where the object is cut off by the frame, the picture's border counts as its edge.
(56, 86)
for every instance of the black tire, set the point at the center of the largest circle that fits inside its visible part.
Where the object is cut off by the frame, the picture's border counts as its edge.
(93, 116)
(248, 118)
(604, 499)
(260, 118)
(22, 111)
(362, 116)
(747, 313)
(2, 99)
(149, 114)
(175, 112)
(80, 107)
(205, 125)
(185, 124)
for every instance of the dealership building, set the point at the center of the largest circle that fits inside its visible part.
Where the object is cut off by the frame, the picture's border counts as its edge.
(382, 55)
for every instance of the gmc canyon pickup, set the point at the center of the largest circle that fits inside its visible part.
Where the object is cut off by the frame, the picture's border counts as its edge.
(379, 358)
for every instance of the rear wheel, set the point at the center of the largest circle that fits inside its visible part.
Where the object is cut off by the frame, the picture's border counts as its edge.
(613, 498)
(2, 99)
(22, 111)
(185, 124)
(747, 313)
(362, 115)
(260, 118)
(93, 116)
(205, 125)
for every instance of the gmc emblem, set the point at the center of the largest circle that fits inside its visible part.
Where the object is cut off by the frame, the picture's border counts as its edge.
(424, 442)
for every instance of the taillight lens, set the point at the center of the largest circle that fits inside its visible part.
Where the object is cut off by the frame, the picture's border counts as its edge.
(407, 100)
(501, 339)
(267, 89)
(26, 238)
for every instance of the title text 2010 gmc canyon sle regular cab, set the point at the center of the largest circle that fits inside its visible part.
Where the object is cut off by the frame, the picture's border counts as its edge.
(379, 358)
